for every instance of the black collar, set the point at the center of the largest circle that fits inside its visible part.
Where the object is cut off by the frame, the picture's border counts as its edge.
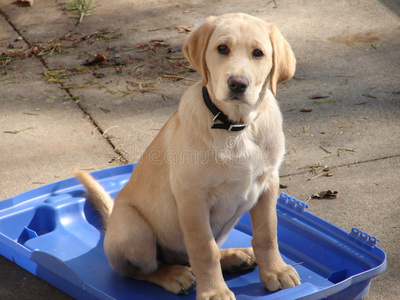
(227, 123)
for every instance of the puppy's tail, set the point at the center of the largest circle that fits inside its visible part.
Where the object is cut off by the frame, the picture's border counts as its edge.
(98, 197)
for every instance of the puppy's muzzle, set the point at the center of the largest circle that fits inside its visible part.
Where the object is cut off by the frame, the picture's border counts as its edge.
(238, 84)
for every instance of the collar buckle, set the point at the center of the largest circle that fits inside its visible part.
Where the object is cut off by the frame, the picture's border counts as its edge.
(237, 127)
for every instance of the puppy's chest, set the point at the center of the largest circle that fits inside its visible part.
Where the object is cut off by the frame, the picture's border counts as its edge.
(240, 157)
(241, 163)
(239, 173)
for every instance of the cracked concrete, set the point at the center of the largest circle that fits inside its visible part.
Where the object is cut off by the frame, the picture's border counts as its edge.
(94, 117)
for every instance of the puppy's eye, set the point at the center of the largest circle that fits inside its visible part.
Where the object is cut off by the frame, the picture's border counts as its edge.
(258, 53)
(223, 49)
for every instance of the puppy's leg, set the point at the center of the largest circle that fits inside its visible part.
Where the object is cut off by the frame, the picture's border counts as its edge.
(274, 272)
(237, 260)
(204, 254)
(131, 248)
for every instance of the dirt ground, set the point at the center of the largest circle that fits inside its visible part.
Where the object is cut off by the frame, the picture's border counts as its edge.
(93, 95)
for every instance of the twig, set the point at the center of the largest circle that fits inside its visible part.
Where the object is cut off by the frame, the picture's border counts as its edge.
(161, 28)
(18, 131)
(276, 5)
(326, 151)
(81, 17)
(339, 150)
(179, 77)
(105, 131)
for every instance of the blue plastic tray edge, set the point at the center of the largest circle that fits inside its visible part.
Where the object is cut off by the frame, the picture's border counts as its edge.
(338, 290)
(298, 208)
(58, 186)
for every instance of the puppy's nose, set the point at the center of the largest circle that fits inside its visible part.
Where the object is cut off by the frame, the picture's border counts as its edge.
(238, 84)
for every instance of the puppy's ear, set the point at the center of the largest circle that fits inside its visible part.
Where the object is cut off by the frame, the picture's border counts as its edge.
(284, 62)
(195, 47)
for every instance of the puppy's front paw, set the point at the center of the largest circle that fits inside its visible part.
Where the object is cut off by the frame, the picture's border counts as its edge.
(221, 294)
(281, 278)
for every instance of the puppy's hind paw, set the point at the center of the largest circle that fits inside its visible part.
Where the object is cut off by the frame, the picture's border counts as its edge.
(237, 260)
(176, 279)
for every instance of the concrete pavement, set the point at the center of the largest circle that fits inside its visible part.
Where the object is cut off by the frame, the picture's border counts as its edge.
(94, 95)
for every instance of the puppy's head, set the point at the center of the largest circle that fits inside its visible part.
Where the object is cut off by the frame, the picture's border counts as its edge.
(237, 56)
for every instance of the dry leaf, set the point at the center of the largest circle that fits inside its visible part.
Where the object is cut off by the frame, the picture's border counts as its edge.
(184, 28)
(175, 49)
(325, 195)
(326, 171)
(29, 2)
(97, 60)
(153, 45)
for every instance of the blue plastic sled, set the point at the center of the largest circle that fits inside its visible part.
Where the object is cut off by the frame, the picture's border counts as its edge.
(53, 233)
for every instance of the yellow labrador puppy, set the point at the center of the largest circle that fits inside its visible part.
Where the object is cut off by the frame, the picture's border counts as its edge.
(216, 158)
